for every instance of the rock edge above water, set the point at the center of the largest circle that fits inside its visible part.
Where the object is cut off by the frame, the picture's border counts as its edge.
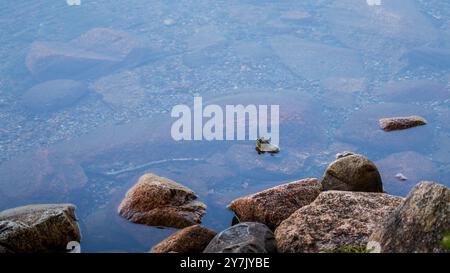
(158, 201)
(401, 123)
(273, 205)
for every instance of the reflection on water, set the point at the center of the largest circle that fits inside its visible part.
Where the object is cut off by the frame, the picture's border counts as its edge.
(334, 67)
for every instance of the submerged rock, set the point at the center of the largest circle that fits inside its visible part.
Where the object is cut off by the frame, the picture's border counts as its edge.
(412, 91)
(53, 95)
(273, 205)
(316, 61)
(42, 173)
(420, 224)
(123, 89)
(352, 173)
(401, 123)
(53, 60)
(158, 201)
(193, 239)
(334, 220)
(245, 237)
(93, 53)
(38, 228)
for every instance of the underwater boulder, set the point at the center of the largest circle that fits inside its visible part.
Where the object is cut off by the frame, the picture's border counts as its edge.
(90, 55)
(53, 95)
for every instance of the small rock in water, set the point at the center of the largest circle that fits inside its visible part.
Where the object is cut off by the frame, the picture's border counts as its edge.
(414, 166)
(263, 145)
(401, 177)
(400, 123)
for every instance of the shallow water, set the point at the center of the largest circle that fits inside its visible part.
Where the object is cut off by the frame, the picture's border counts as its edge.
(334, 67)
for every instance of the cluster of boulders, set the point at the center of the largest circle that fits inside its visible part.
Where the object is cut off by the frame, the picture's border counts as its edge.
(345, 209)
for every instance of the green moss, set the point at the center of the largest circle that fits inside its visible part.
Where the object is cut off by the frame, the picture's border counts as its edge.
(445, 242)
(349, 249)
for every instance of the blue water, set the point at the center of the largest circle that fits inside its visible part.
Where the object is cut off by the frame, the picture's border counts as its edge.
(334, 67)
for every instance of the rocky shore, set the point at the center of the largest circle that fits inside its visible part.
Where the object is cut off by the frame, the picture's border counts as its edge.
(344, 211)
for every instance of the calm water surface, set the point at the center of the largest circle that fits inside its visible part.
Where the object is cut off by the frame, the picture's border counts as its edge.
(334, 67)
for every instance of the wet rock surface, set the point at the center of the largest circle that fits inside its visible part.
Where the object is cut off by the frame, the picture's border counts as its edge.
(419, 224)
(352, 173)
(122, 90)
(335, 219)
(273, 205)
(158, 201)
(38, 228)
(247, 237)
(401, 123)
(4, 250)
(193, 239)
(311, 61)
(53, 95)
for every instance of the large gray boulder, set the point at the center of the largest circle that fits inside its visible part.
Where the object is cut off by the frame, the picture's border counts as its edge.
(336, 219)
(247, 237)
(158, 201)
(273, 205)
(420, 224)
(38, 228)
(352, 173)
